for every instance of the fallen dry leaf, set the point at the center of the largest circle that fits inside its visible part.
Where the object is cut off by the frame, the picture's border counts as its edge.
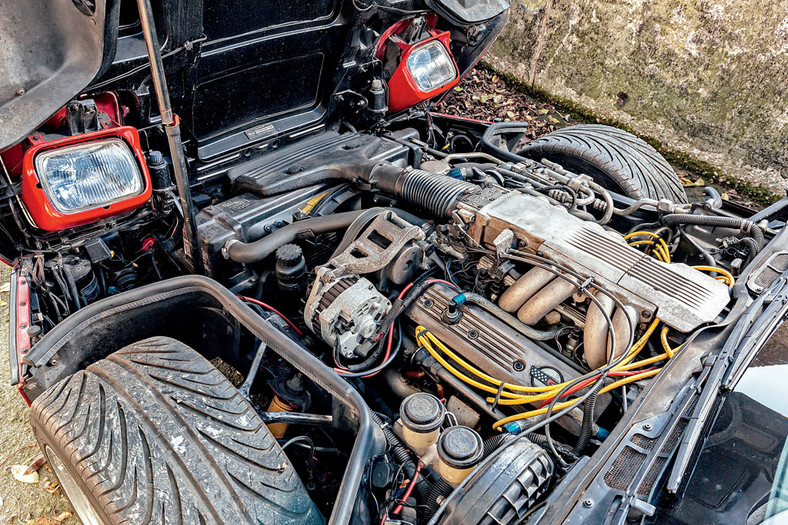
(35, 464)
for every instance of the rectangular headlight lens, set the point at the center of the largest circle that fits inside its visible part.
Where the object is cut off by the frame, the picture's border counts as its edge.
(431, 66)
(89, 176)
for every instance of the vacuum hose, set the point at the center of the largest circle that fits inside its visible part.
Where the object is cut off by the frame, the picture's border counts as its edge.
(745, 226)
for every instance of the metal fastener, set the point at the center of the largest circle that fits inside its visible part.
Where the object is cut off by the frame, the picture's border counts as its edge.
(588, 503)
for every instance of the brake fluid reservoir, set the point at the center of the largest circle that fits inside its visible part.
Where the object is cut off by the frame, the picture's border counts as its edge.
(421, 415)
(459, 450)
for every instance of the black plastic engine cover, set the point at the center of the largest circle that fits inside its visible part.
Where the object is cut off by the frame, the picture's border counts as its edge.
(318, 159)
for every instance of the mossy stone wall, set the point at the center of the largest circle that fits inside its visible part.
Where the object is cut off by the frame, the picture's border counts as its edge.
(705, 77)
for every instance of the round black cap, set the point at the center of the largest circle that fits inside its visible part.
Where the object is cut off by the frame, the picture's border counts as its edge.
(460, 447)
(421, 412)
(289, 255)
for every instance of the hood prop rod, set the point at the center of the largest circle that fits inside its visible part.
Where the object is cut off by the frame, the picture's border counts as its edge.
(172, 128)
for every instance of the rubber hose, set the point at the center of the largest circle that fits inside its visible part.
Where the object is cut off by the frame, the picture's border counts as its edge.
(752, 248)
(746, 226)
(527, 331)
(440, 489)
(492, 149)
(493, 443)
(72, 285)
(438, 194)
(260, 249)
(588, 422)
(713, 198)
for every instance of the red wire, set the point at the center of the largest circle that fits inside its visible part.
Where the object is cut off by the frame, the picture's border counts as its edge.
(274, 310)
(407, 492)
(441, 281)
(391, 331)
(590, 380)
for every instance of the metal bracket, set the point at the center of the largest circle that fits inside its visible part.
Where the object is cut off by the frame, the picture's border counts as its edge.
(377, 246)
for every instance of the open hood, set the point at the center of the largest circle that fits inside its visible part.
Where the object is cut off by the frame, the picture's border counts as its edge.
(49, 51)
(238, 71)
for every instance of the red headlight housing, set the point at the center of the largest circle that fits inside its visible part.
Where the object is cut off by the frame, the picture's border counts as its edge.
(85, 178)
(426, 68)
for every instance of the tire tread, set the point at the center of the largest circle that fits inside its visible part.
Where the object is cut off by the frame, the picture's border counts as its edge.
(157, 435)
(629, 161)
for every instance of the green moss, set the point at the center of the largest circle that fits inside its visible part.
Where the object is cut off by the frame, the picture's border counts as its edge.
(698, 168)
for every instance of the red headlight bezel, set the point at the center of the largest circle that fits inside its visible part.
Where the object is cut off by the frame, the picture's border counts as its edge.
(41, 209)
(404, 92)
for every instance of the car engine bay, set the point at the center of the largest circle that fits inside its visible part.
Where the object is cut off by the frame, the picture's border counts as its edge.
(498, 312)
(467, 296)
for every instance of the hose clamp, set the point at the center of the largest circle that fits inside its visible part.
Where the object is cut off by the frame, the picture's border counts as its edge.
(226, 247)
(746, 227)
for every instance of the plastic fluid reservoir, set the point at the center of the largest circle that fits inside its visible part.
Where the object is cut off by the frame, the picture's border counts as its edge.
(421, 416)
(459, 450)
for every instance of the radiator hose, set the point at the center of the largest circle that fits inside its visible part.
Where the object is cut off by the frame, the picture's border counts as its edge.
(252, 252)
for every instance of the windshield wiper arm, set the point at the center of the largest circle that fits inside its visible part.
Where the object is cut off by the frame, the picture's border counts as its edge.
(707, 388)
(722, 370)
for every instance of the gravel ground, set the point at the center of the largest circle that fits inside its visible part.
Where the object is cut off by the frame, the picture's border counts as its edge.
(41, 503)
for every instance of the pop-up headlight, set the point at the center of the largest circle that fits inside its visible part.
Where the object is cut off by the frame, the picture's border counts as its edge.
(85, 178)
(426, 70)
(431, 66)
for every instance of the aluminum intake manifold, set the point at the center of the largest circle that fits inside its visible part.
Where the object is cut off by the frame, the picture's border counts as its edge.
(683, 298)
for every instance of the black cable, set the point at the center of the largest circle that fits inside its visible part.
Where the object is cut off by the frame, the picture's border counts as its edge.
(186, 46)
(588, 422)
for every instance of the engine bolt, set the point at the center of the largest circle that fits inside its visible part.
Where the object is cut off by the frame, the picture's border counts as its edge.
(518, 366)
(473, 334)
(21, 91)
(428, 303)
(647, 427)
(588, 503)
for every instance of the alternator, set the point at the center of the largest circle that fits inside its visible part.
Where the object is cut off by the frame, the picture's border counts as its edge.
(346, 309)
(346, 313)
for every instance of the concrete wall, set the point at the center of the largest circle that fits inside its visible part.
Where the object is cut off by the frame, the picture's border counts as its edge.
(706, 77)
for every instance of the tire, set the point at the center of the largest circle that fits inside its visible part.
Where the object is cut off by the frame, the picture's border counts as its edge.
(155, 433)
(619, 161)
